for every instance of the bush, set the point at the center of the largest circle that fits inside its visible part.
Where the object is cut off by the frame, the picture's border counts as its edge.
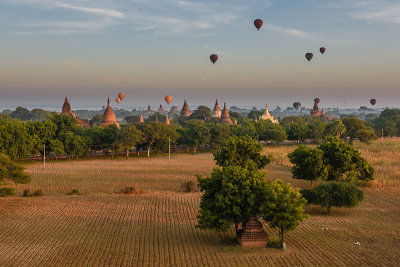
(189, 186)
(334, 194)
(6, 192)
(130, 191)
(38, 193)
(26, 193)
(74, 192)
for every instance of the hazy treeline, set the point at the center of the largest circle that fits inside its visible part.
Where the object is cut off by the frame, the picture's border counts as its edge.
(62, 135)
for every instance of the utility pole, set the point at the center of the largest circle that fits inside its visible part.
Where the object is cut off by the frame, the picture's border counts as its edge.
(382, 133)
(44, 156)
(169, 148)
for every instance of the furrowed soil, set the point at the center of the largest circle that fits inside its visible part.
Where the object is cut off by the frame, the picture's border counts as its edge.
(157, 227)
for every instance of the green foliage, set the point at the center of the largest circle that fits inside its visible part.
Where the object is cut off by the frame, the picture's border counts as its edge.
(21, 113)
(156, 135)
(74, 192)
(15, 140)
(254, 114)
(219, 133)
(355, 128)
(344, 162)
(38, 114)
(189, 186)
(195, 134)
(266, 130)
(334, 194)
(335, 128)
(239, 151)
(231, 196)
(316, 129)
(7, 192)
(282, 207)
(132, 118)
(128, 137)
(308, 164)
(13, 171)
(201, 113)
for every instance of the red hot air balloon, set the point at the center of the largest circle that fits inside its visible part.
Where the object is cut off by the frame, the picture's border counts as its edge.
(168, 99)
(373, 101)
(118, 100)
(121, 96)
(322, 50)
(258, 24)
(213, 58)
(309, 56)
(317, 100)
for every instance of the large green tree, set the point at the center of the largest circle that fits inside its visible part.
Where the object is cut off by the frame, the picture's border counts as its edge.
(155, 133)
(128, 137)
(308, 164)
(355, 129)
(12, 171)
(282, 207)
(238, 151)
(15, 139)
(195, 134)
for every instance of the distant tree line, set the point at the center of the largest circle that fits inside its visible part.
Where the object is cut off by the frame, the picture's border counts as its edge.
(62, 136)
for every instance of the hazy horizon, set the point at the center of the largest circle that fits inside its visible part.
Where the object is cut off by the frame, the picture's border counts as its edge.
(90, 49)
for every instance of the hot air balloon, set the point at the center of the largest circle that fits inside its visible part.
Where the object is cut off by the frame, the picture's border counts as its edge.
(213, 58)
(121, 96)
(168, 99)
(322, 50)
(373, 101)
(317, 100)
(309, 56)
(118, 100)
(258, 23)
(297, 105)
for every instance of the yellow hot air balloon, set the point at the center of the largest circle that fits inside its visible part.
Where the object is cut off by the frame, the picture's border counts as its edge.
(118, 100)
(168, 99)
(121, 95)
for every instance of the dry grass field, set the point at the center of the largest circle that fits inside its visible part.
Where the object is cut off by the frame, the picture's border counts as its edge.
(102, 227)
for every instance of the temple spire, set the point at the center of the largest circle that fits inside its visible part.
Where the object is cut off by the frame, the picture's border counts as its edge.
(225, 117)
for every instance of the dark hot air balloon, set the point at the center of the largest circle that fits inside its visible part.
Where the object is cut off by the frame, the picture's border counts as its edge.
(121, 96)
(297, 105)
(322, 50)
(317, 100)
(213, 58)
(258, 24)
(168, 99)
(373, 101)
(309, 56)
(118, 100)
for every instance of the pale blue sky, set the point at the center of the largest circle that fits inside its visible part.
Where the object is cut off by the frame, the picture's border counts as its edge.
(90, 49)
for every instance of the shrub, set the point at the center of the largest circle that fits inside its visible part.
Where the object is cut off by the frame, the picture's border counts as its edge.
(334, 194)
(6, 192)
(38, 193)
(130, 191)
(189, 186)
(26, 193)
(74, 192)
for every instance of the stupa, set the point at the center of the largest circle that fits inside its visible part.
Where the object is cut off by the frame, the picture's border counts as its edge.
(235, 121)
(267, 116)
(185, 112)
(108, 116)
(216, 112)
(161, 110)
(66, 110)
(141, 118)
(315, 111)
(167, 120)
(253, 235)
(225, 118)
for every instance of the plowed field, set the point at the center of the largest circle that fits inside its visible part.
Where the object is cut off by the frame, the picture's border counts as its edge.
(101, 227)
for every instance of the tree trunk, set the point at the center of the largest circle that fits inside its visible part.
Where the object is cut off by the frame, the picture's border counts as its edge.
(127, 154)
(148, 152)
(281, 232)
(194, 150)
(311, 184)
(138, 153)
(329, 209)
(237, 228)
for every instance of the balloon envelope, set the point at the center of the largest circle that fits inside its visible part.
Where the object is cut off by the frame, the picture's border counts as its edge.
(213, 58)
(317, 100)
(297, 105)
(168, 99)
(121, 96)
(258, 24)
(309, 56)
(373, 101)
(322, 50)
(118, 100)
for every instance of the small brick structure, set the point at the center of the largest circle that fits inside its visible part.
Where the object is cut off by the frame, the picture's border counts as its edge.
(253, 235)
